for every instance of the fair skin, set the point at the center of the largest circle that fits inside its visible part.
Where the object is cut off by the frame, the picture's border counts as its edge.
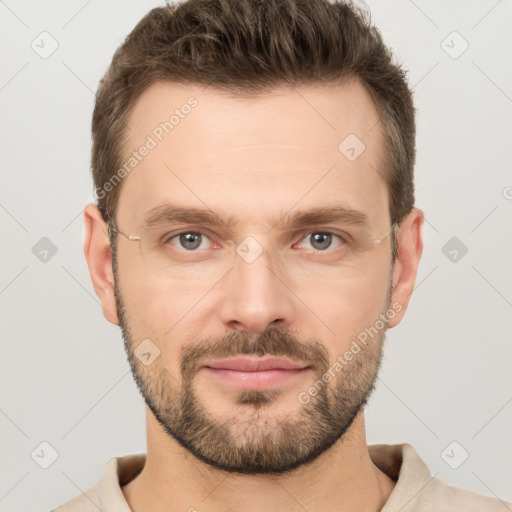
(254, 160)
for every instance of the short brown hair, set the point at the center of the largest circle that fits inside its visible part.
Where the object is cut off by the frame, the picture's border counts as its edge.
(251, 46)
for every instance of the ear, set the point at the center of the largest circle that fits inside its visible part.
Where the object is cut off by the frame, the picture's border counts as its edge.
(99, 261)
(410, 247)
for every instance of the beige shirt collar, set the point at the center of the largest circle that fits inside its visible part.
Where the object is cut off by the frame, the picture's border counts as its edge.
(415, 491)
(400, 462)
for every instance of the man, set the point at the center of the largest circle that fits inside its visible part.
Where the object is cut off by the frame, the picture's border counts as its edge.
(255, 236)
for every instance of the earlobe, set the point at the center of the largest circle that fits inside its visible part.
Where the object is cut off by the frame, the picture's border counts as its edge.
(99, 261)
(410, 248)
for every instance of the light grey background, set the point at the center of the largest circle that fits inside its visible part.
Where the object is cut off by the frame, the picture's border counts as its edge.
(64, 379)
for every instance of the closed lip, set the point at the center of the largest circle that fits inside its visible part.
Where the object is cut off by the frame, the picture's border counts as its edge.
(246, 364)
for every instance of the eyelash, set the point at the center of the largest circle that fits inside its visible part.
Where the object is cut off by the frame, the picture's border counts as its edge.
(344, 239)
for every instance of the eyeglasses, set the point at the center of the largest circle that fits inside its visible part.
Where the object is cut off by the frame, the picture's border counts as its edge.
(166, 248)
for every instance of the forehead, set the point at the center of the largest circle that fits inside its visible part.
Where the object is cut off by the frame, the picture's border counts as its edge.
(307, 146)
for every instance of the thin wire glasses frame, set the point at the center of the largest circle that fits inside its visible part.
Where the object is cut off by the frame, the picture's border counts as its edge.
(135, 238)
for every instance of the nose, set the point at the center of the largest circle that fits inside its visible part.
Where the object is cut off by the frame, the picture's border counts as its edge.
(255, 295)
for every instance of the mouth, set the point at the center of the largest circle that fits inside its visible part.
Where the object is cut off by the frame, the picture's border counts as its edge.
(254, 373)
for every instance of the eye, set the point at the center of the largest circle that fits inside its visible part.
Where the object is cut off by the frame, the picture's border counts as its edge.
(322, 240)
(189, 240)
(192, 240)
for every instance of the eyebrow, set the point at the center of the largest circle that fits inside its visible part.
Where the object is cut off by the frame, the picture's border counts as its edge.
(169, 213)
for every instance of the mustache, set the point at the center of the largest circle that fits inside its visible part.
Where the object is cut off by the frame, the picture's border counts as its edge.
(271, 342)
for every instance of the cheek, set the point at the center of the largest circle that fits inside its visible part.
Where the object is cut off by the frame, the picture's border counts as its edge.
(161, 312)
(343, 308)
(148, 309)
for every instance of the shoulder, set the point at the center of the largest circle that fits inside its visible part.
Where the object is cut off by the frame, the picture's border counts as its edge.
(416, 490)
(107, 494)
(442, 496)
(85, 502)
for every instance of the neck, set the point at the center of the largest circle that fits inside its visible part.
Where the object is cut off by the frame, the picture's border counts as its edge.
(342, 479)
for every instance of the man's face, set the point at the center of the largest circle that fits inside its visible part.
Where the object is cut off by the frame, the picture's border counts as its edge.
(301, 294)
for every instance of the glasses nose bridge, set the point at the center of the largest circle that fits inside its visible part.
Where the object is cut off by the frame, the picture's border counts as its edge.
(253, 246)
(262, 259)
(255, 267)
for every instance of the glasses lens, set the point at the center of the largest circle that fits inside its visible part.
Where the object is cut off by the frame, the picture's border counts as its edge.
(185, 254)
(198, 254)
